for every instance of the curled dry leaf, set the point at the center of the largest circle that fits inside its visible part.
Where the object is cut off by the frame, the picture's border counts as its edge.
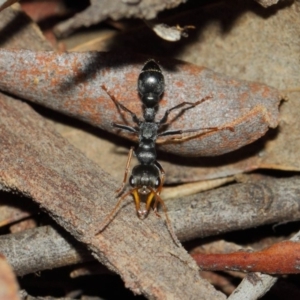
(39, 163)
(280, 258)
(278, 149)
(71, 83)
(169, 33)
(267, 3)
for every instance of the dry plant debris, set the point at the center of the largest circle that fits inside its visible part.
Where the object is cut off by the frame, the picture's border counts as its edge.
(143, 9)
(271, 206)
(39, 163)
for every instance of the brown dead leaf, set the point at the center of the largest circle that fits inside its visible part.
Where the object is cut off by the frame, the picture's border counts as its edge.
(278, 149)
(280, 258)
(71, 83)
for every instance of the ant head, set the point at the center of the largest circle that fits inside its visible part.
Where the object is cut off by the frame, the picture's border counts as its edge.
(145, 179)
(151, 84)
(144, 176)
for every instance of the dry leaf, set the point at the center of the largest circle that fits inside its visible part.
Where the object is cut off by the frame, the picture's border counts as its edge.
(71, 83)
(280, 258)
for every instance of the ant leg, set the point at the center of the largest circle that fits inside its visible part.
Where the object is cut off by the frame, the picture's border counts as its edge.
(191, 104)
(180, 131)
(118, 191)
(110, 217)
(135, 119)
(168, 222)
(186, 138)
(125, 127)
(182, 139)
(162, 178)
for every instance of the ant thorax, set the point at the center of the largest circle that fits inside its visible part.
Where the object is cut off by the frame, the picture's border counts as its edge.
(148, 131)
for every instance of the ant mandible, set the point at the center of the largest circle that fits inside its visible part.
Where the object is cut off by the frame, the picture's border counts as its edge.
(147, 178)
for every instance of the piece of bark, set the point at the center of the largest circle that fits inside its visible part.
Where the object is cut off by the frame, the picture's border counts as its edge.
(194, 188)
(220, 281)
(253, 287)
(224, 27)
(236, 207)
(117, 9)
(260, 206)
(71, 83)
(8, 283)
(39, 163)
(42, 248)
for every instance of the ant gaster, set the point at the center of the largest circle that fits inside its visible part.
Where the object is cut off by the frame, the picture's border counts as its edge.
(147, 178)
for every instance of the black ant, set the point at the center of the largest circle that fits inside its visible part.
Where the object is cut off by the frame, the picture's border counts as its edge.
(147, 178)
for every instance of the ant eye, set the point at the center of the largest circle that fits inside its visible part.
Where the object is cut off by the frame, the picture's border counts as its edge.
(132, 181)
(157, 183)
